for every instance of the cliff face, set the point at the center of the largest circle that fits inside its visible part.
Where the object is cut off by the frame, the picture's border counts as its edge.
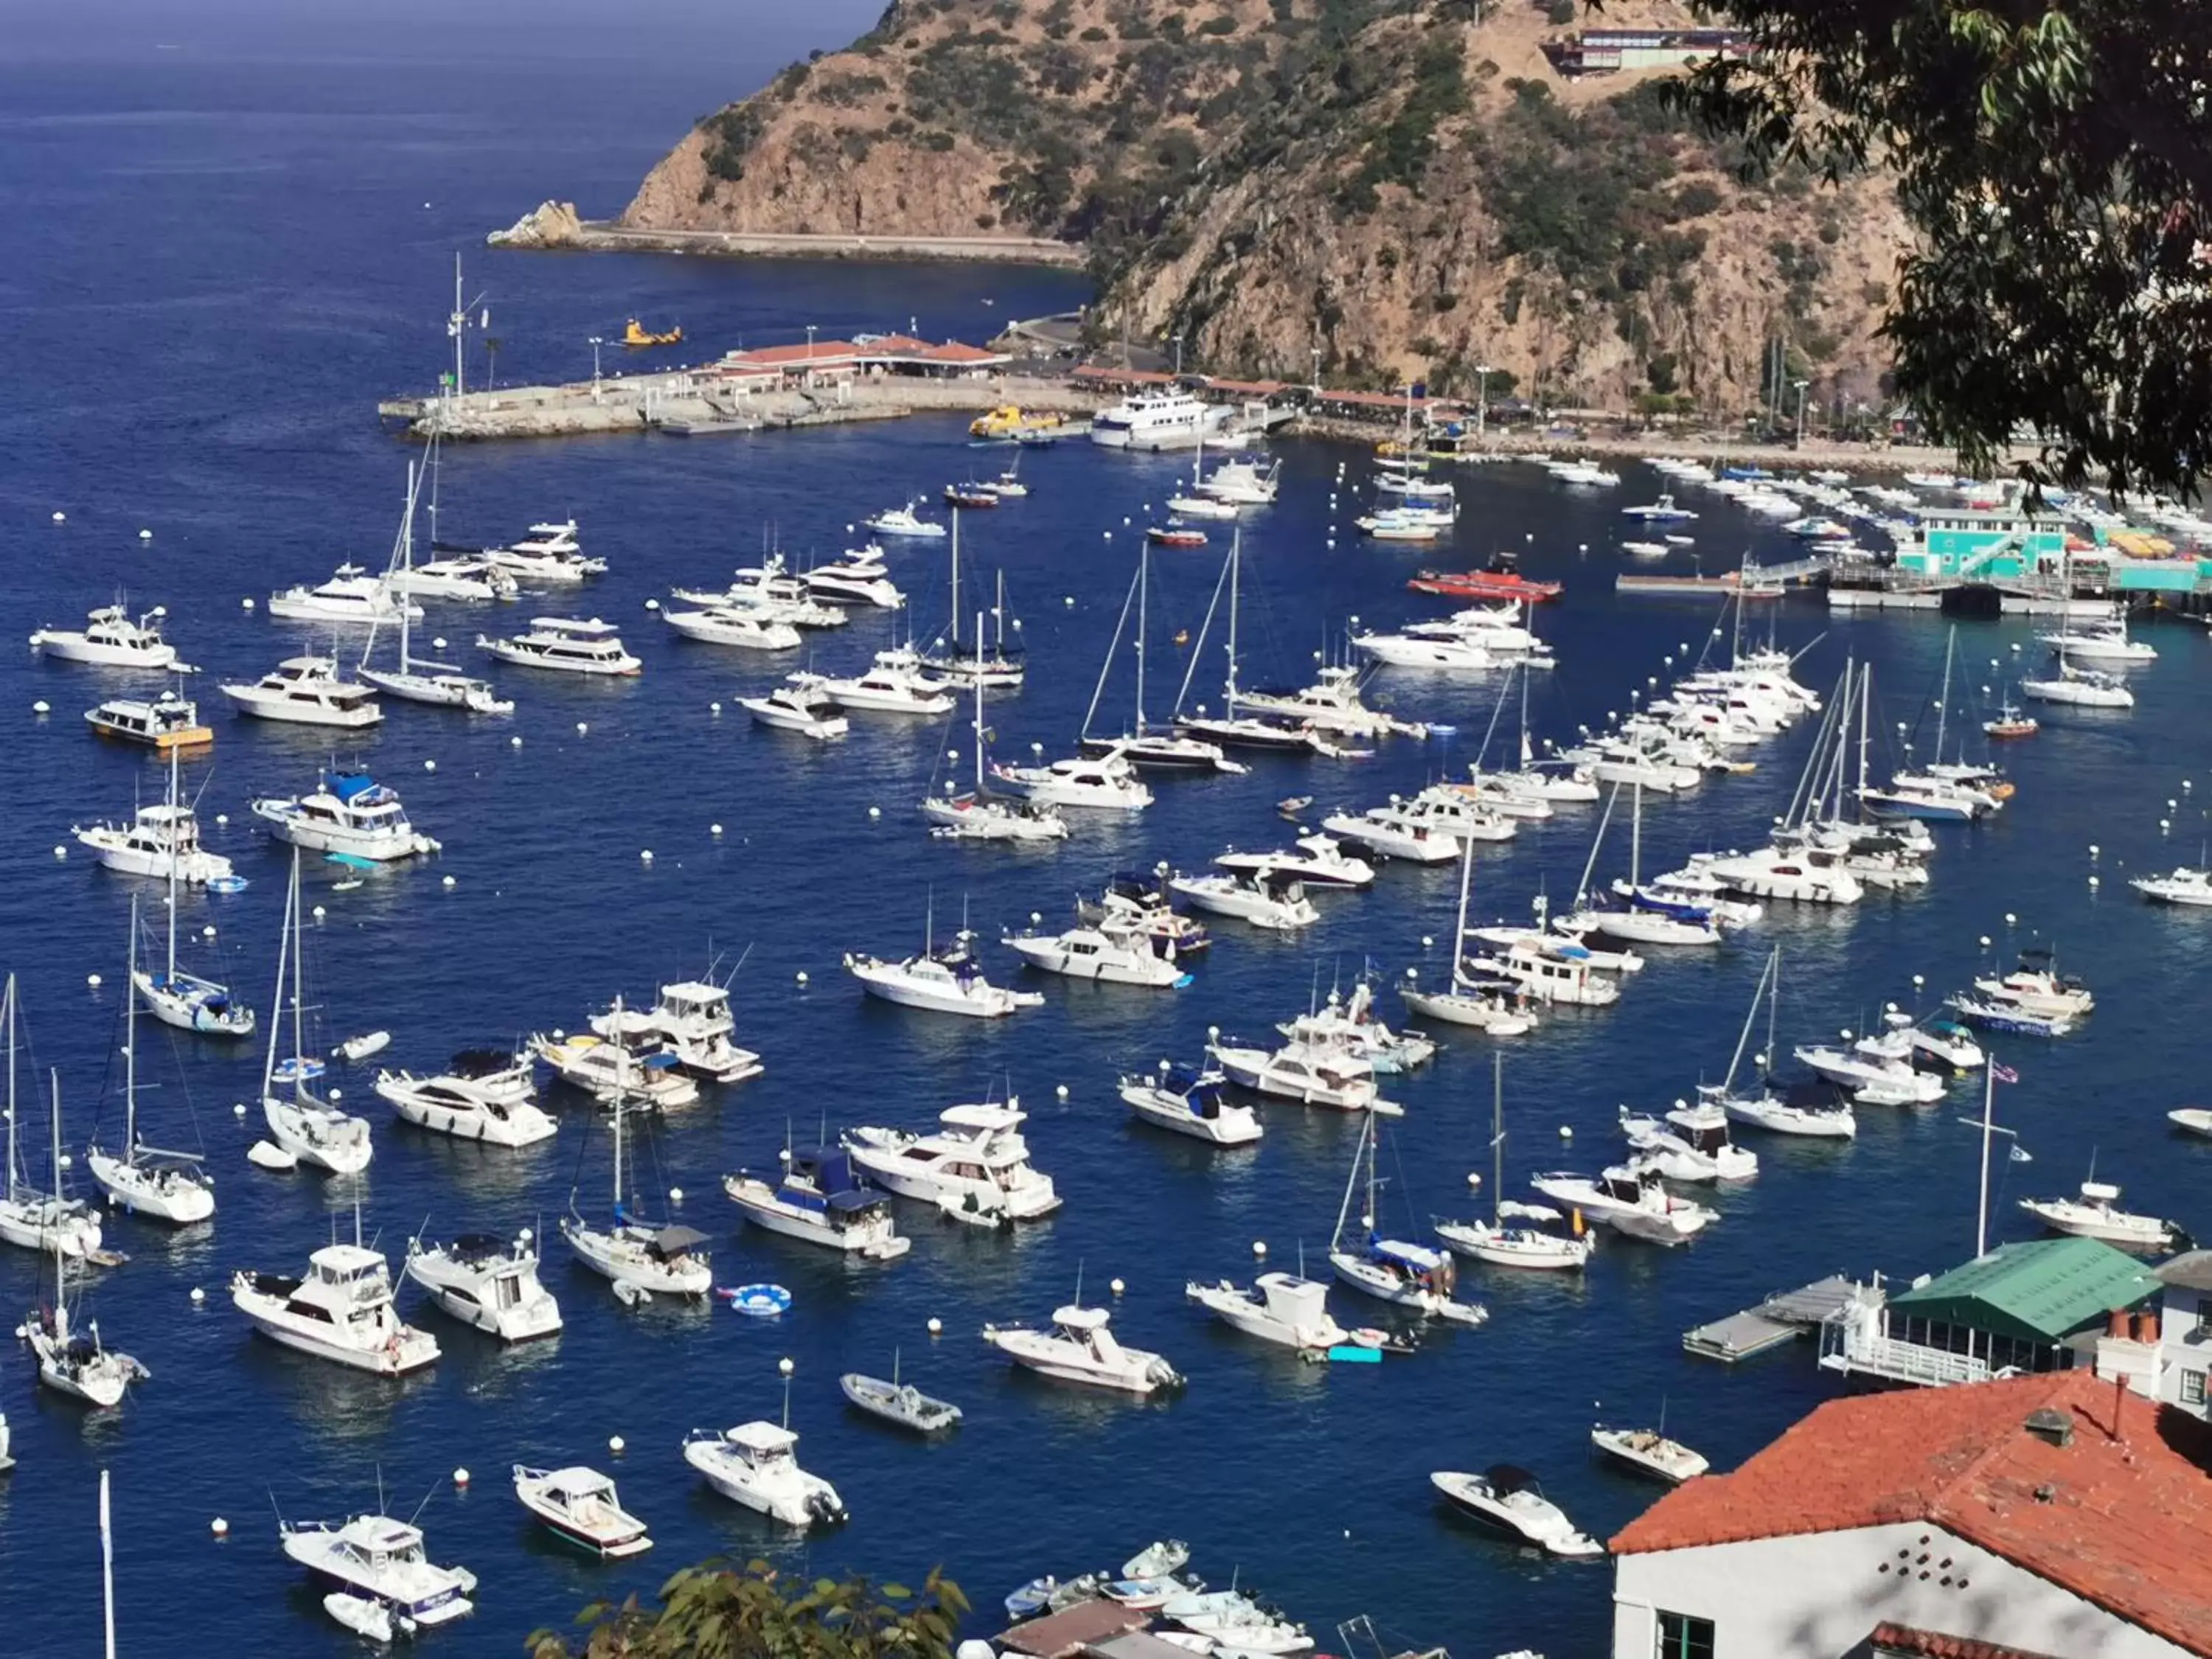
(1408, 186)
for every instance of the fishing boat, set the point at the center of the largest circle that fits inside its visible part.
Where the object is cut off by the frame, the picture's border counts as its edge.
(2036, 987)
(1392, 1270)
(1690, 1143)
(1497, 1006)
(341, 1311)
(347, 813)
(303, 1123)
(1351, 1023)
(1078, 1348)
(1509, 1499)
(899, 1402)
(2009, 725)
(1500, 1243)
(568, 644)
(1313, 1074)
(820, 1199)
(1280, 1307)
(948, 981)
(578, 1506)
(756, 1464)
(643, 1259)
(172, 1187)
(805, 709)
(1648, 1451)
(164, 723)
(73, 1362)
(1175, 533)
(550, 554)
(112, 638)
(1143, 905)
(693, 1020)
(2185, 886)
(308, 692)
(1269, 899)
(351, 596)
(2081, 687)
(1105, 954)
(1190, 1101)
(413, 679)
(162, 841)
(1632, 1198)
(903, 521)
(607, 1070)
(487, 1096)
(2096, 1213)
(379, 1565)
(489, 1282)
(975, 1159)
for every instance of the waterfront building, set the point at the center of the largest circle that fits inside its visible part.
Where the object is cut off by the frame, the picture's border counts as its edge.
(2165, 1353)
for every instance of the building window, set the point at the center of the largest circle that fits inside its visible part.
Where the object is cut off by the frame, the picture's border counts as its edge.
(1682, 1637)
(2192, 1388)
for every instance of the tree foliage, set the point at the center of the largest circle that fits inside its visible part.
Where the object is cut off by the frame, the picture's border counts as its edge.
(2056, 158)
(719, 1610)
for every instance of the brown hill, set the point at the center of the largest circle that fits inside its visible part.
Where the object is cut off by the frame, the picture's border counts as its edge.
(1411, 188)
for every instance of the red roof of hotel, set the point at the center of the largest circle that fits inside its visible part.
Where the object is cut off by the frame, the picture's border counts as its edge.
(1933, 1645)
(2123, 1524)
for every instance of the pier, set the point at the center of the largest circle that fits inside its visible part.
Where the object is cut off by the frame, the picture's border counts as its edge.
(1783, 1317)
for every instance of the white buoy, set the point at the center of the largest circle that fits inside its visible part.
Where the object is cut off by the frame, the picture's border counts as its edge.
(222, 819)
(675, 1194)
(1060, 1090)
(321, 913)
(2164, 825)
(92, 980)
(1260, 1249)
(1985, 941)
(653, 605)
(219, 1526)
(430, 766)
(875, 811)
(783, 1367)
(1428, 941)
(447, 881)
(238, 1110)
(1413, 972)
(615, 1444)
(582, 727)
(1115, 1287)
(936, 1325)
(2093, 849)
(713, 828)
(460, 1477)
(1566, 1131)
(246, 604)
(2093, 881)
(2010, 919)
(645, 855)
(714, 708)
(439, 643)
(61, 852)
(1213, 1034)
(802, 977)
(61, 518)
(515, 743)
(199, 1295)
(41, 707)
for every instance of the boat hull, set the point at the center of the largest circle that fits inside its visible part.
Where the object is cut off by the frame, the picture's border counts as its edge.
(174, 1199)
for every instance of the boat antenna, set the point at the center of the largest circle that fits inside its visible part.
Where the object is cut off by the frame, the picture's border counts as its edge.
(424, 1505)
(379, 1488)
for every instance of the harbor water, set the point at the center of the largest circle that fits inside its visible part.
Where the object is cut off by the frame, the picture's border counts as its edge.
(235, 261)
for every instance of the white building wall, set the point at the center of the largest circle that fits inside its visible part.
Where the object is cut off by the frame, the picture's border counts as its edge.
(1820, 1595)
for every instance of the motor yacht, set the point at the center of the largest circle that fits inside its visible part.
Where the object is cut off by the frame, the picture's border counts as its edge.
(161, 724)
(470, 576)
(1280, 1308)
(1547, 968)
(607, 1070)
(1105, 782)
(2102, 639)
(644, 1259)
(806, 709)
(1632, 1198)
(1078, 1348)
(2184, 886)
(859, 578)
(819, 1197)
(1143, 905)
(1191, 1101)
(1317, 860)
(1331, 703)
(1808, 875)
(379, 1567)
(1106, 954)
(2082, 687)
(1509, 1499)
(904, 521)
(487, 1096)
(1399, 525)
(347, 813)
(949, 981)
(1313, 1074)
(1171, 419)
(159, 839)
(1689, 1143)
(565, 643)
(1270, 899)
(2036, 987)
(489, 1282)
(350, 596)
(341, 1311)
(1875, 1079)
(549, 554)
(755, 1464)
(895, 683)
(2096, 1214)
(578, 1506)
(1351, 1023)
(726, 624)
(692, 1018)
(1393, 832)
(1989, 1014)
(975, 1159)
(308, 692)
(112, 638)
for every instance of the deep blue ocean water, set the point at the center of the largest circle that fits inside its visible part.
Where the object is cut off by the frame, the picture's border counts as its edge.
(232, 260)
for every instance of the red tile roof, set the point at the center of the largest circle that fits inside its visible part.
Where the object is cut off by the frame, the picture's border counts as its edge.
(952, 351)
(1132, 376)
(1932, 1644)
(2118, 1517)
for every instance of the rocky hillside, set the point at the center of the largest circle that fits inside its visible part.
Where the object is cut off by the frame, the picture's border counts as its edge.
(1406, 185)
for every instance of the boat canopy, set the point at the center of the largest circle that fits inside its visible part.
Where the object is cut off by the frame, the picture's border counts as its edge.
(830, 1168)
(677, 1241)
(1074, 1317)
(1507, 1477)
(478, 1247)
(354, 786)
(762, 1439)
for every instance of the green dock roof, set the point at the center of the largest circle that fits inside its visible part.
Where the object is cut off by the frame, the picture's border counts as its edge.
(2043, 1291)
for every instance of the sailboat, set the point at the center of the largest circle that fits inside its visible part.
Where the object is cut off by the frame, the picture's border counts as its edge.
(186, 1000)
(1495, 1005)
(168, 1186)
(1818, 1107)
(1229, 728)
(416, 681)
(301, 1123)
(71, 1363)
(1146, 749)
(1393, 1270)
(991, 664)
(1493, 1240)
(29, 1218)
(1633, 925)
(642, 1257)
(978, 815)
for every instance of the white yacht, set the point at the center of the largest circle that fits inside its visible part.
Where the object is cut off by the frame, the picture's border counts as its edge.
(350, 596)
(144, 1180)
(895, 683)
(2083, 687)
(308, 692)
(347, 813)
(1631, 1198)
(550, 554)
(31, 1219)
(1874, 1079)
(1351, 1023)
(643, 1259)
(2096, 1213)
(903, 521)
(2036, 987)
(1078, 1348)
(1313, 1074)
(1280, 1308)
(1807, 874)
(692, 1018)
(608, 1069)
(1243, 481)
(1456, 654)
(2102, 639)
(1392, 1270)
(976, 1159)
(1509, 1498)
(806, 709)
(469, 576)
(158, 840)
(739, 626)
(566, 643)
(1106, 954)
(489, 1282)
(111, 639)
(1648, 1451)
(754, 1464)
(341, 1311)
(860, 578)
(578, 1506)
(1516, 1235)
(70, 1361)
(1690, 1143)
(2184, 886)
(1318, 860)
(820, 1198)
(1156, 420)
(164, 723)
(303, 1123)
(1270, 899)
(1105, 782)
(949, 981)
(489, 1097)
(1546, 969)
(1814, 1107)
(375, 1559)
(1191, 1101)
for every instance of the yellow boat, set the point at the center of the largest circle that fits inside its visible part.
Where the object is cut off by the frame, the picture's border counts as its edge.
(1008, 422)
(636, 334)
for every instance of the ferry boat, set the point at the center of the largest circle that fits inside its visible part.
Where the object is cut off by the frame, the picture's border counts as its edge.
(167, 722)
(111, 639)
(566, 643)
(308, 692)
(347, 813)
(1496, 583)
(1156, 420)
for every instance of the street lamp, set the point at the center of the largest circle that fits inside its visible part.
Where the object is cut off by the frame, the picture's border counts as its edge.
(1481, 399)
(1798, 387)
(1316, 353)
(596, 344)
(809, 343)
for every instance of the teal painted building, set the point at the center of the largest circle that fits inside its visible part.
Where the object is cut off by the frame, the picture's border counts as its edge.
(1967, 544)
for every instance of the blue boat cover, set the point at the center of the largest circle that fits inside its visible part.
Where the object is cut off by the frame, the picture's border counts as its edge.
(350, 786)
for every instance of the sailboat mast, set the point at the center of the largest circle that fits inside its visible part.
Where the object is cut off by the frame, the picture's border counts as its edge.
(1106, 667)
(1236, 560)
(1866, 701)
(1351, 1180)
(1497, 1138)
(979, 733)
(1727, 1084)
(298, 1036)
(955, 581)
(276, 997)
(457, 325)
(1943, 700)
(1989, 1109)
(1636, 836)
(1459, 931)
(130, 1043)
(407, 564)
(54, 1116)
(175, 760)
(11, 1086)
(621, 1092)
(1144, 589)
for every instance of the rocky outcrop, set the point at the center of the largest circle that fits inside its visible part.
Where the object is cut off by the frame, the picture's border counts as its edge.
(549, 224)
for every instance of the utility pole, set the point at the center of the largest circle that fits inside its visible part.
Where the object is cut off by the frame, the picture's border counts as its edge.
(1801, 385)
(1316, 354)
(1481, 399)
(1178, 356)
(596, 344)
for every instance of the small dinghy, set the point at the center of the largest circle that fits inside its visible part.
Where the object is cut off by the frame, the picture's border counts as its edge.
(1649, 1452)
(363, 1617)
(360, 1048)
(267, 1155)
(898, 1402)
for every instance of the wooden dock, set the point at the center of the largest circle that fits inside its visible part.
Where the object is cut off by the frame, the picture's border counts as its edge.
(1781, 1317)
